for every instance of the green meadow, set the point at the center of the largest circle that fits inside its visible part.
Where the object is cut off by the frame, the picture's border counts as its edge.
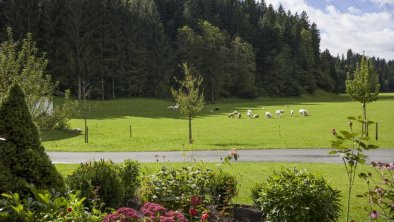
(156, 128)
(248, 174)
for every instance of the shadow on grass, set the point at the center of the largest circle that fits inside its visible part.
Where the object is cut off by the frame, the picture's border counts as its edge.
(51, 135)
(158, 108)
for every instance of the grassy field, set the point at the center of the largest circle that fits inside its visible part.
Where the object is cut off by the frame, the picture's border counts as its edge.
(156, 128)
(250, 173)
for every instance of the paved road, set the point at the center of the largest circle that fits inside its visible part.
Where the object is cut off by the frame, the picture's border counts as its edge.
(268, 155)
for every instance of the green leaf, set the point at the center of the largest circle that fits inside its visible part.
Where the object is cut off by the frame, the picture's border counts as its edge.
(371, 146)
(333, 152)
(363, 175)
(351, 118)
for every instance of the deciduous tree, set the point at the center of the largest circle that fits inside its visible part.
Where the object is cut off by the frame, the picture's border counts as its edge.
(189, 96)
(364, 87)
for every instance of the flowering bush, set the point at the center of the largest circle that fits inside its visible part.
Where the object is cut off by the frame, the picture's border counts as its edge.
(123, 214)
(179, 188)
(149, 212)
(380, 192)
(294, 195)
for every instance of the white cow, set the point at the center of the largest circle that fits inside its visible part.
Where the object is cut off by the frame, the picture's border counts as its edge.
(291, 112)
(268, 115)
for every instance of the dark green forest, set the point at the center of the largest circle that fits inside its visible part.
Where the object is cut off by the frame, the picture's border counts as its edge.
(105, 49)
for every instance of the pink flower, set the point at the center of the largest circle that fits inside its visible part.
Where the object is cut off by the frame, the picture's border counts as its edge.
(173, 216)
(152, 209)
(374, 214)
(204, 216)
(193, 212)
(123, 214)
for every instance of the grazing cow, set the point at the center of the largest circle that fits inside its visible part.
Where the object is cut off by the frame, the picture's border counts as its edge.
(268, 115)
(303, 112)
(291, 112)
(255, 116)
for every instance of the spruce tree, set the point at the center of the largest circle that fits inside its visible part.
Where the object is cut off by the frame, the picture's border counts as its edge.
(22, 157)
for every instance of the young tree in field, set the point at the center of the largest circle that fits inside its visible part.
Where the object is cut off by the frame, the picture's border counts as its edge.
(189, 97)
(22, 63)
(364, 87)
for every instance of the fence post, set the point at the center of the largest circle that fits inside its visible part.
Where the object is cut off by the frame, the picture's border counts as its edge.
(131, 135)
(87, 134)
(376, 136)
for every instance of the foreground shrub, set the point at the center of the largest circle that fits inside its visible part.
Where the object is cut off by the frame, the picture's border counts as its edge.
(174, 188)
(128, 172)
(148, 212)
(294, 195)
(104, 183)
(45, 205)
(22, 157)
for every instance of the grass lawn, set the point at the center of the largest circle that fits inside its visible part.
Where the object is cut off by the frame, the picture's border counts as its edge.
(250, 173)
(156, 128)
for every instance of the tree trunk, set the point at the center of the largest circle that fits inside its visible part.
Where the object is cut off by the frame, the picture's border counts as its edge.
(79, 87)
(113, 87)
(212, 91)
(365, 129)
(190, 129)
(102, 87)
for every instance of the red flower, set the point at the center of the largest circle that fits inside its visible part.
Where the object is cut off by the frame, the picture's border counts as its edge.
(193, 212)
(69, 209)
(204, 216)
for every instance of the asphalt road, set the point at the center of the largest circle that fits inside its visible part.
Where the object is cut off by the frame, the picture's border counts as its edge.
(267, 155)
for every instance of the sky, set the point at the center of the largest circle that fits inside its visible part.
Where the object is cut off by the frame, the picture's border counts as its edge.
(362, 25)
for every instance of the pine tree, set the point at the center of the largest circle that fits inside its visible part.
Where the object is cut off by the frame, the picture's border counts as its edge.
(242, 68)
(21, 154)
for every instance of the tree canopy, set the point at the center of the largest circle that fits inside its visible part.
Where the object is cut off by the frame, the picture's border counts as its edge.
(132, 47)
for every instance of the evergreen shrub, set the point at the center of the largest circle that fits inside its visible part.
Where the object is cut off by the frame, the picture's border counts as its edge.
(104, 184)
(22, 156)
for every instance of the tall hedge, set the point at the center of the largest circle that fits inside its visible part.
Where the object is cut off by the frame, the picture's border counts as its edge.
(22, 157)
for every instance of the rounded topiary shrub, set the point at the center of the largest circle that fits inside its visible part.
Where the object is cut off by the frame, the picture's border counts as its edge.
(294, 195)
(105, 184)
